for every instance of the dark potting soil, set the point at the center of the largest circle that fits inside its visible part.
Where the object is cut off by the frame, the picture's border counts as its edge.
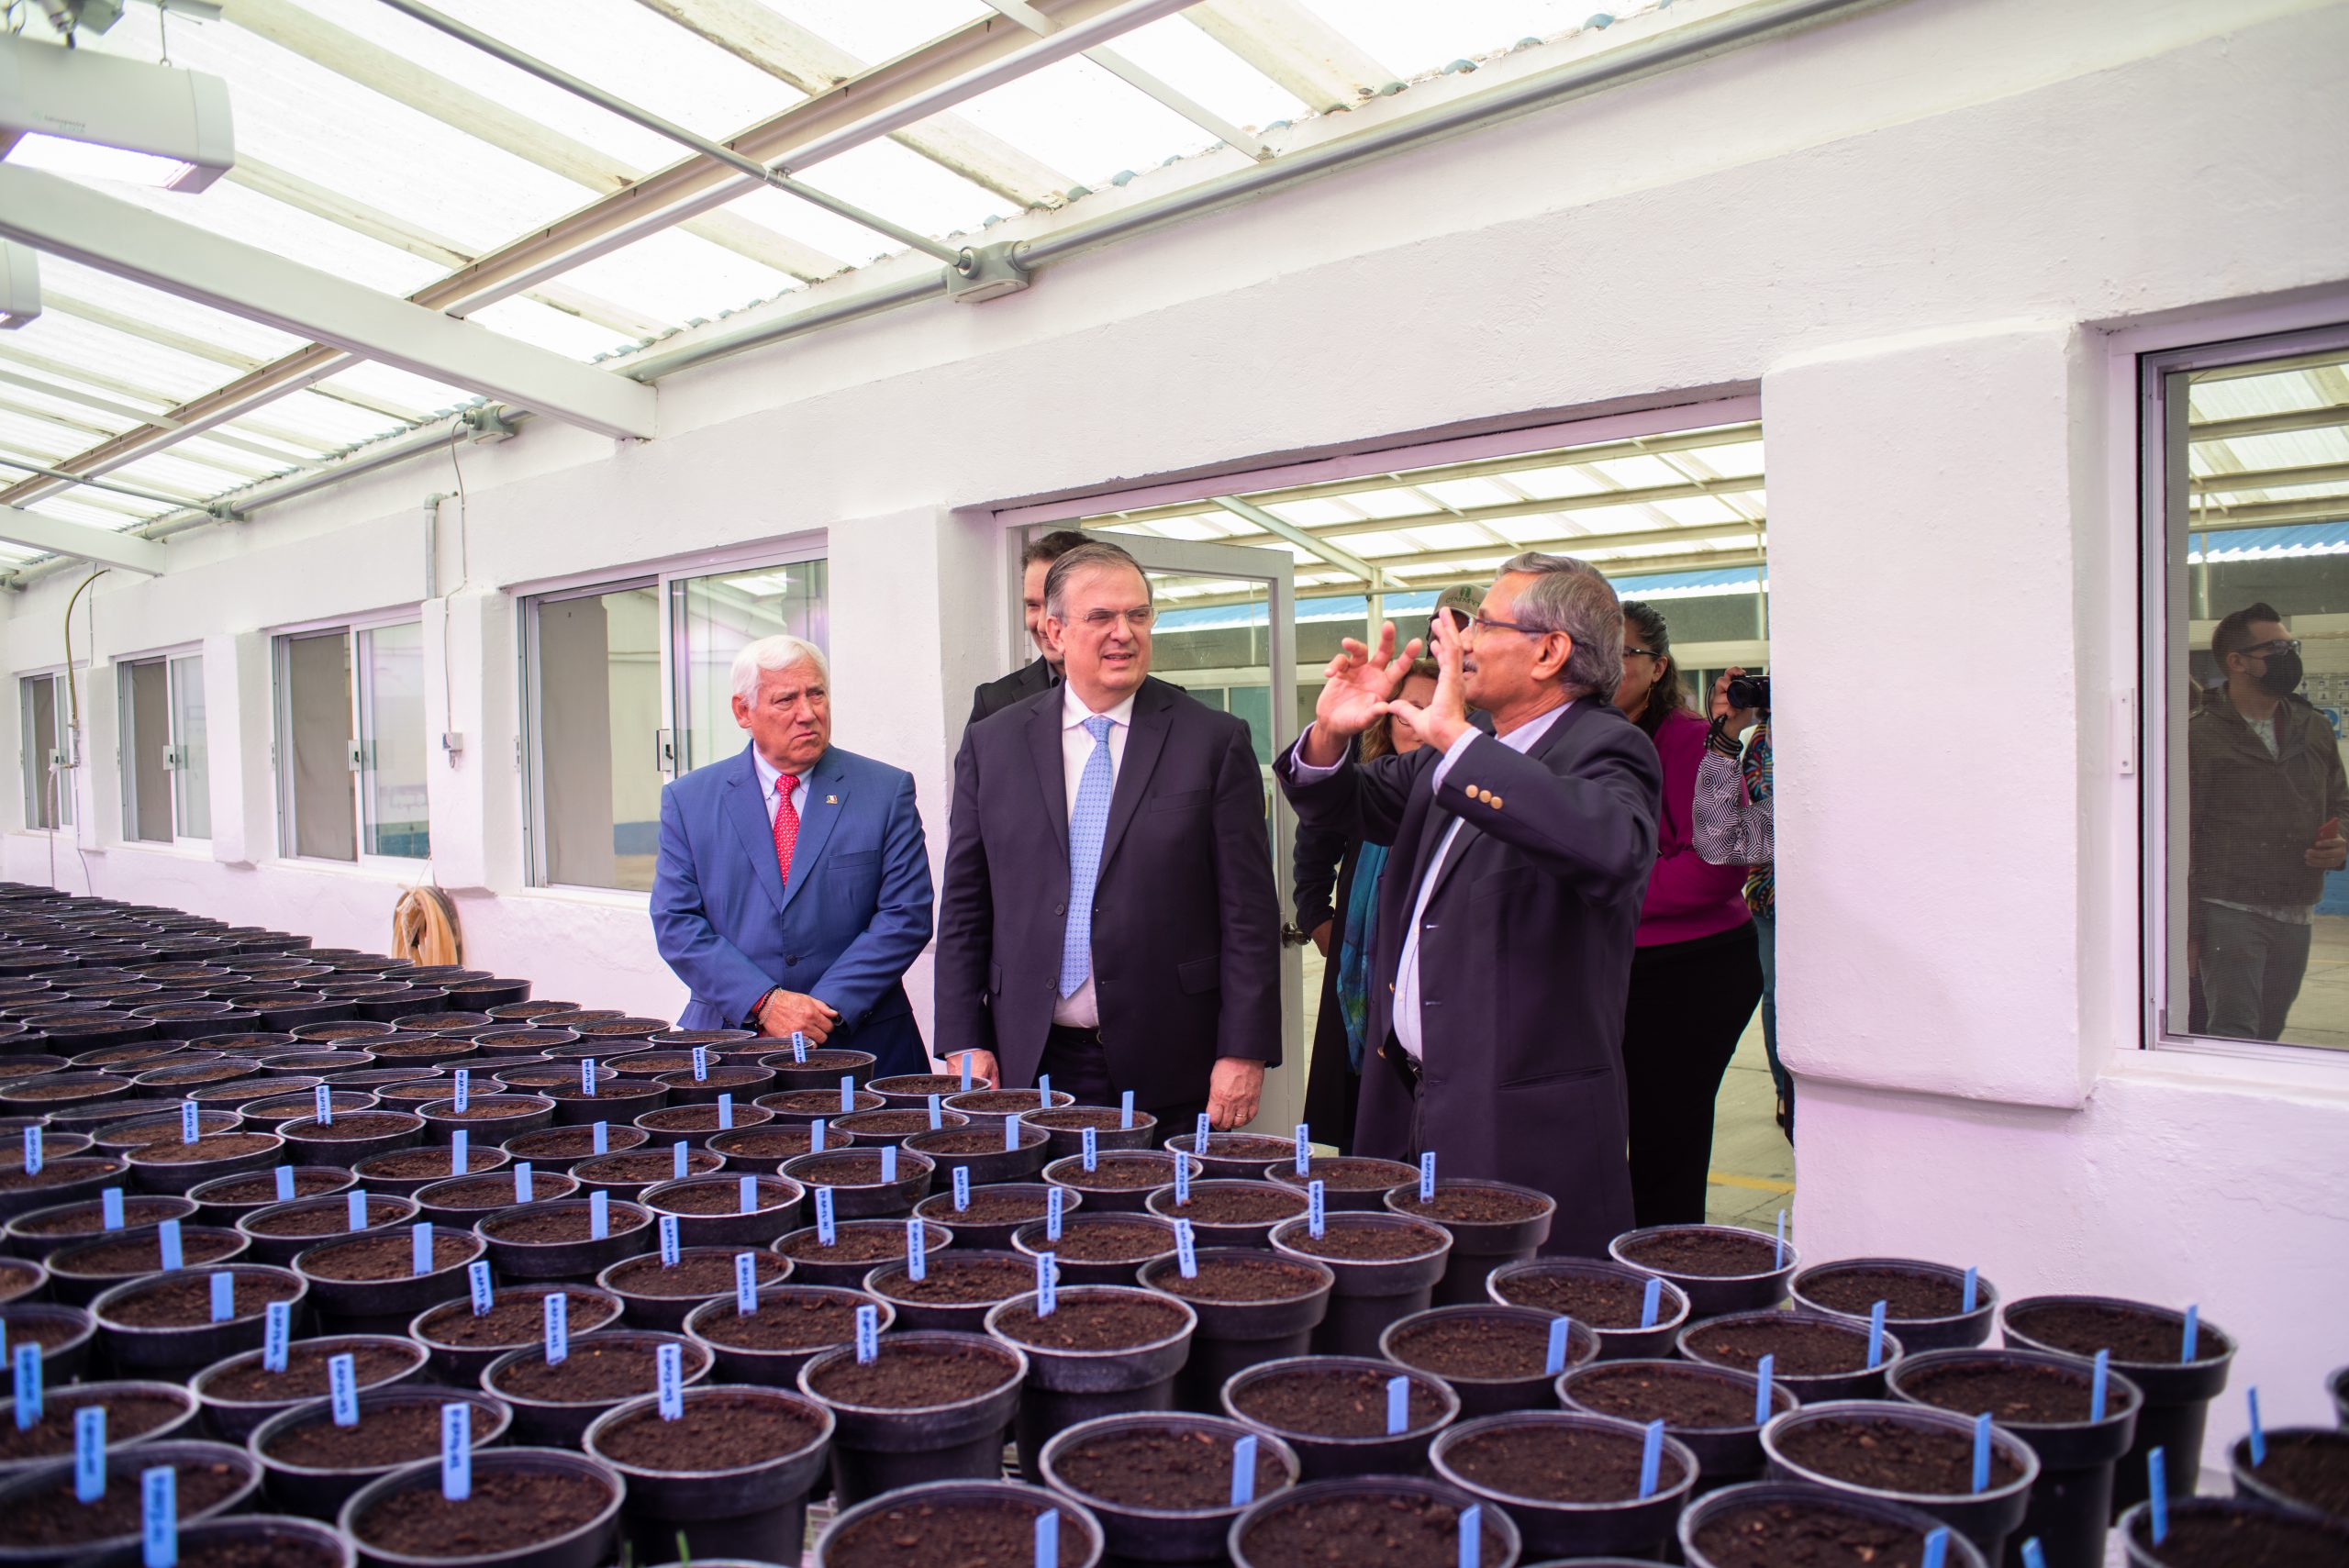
(718, 1432)
(1003, 1101)
(554, 1143)
(1121, 1172)
(388, 1255)
(1095, 1323)
(146, 1137)
(482, 1192)
(1241, 1205)
(1813, 1533)
(1595, 1303)
(38, 1091)
(651, 1063)
(696, 1274)
(1103, 1241)
(967, 1534)
(128, 1416)
(722, 1196)
(45, 1332)
(695, 1118)
(1247, 1146)
(2310, 1467)
(54, 1517)
(850, 1169)
(1167, 1469)
(950, 1279)
(906, 1375)
(1367, 1241)
(1875, 1450)
(784, 1323)
(57, 1173)
(395, 1432)
(514, 1321)
(2022, 1393)
(1559, 1464)
(2242, 1541)
(2132, 1334)
(510, 1509)
(263, 1188)
(889, 1123)
(1239, 1279)
(841, 1060)
(1480, 1205)
(177, 1302)
(770, 1143)
(89, 1219)
(293, 1107)
(144, 1254)
(823, 1102)
(1804, 1347)
(993, 1205)
(16, 1278)
(594, 1373)
(1329, 1402)
(875, 1243)
(646, 1166)
(537, 1225)
(1340, 1174)
(490, 1110)
(335, 1033)
(1474, 1346)
(1684, 1400)
(1403, 1531)
(1710, 1255)
(1904, 1293)
(353, 1125)
(328, 1219)
(433, 1161)
(304, 1377)
(1076, 1118)
(954, 1140)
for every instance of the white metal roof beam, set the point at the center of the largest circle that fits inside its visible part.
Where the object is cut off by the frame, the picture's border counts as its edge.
(56, 216)
(763, 37)
(1298, 50)
(97, 545)
(1281, 527)
(1144, 82)
(387, 408)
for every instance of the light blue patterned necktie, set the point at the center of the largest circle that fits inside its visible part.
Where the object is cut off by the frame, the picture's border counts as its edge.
(1087, 825)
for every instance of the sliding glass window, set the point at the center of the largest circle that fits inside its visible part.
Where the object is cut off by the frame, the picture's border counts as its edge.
(43, 733)
(166, 782)
(352, 743)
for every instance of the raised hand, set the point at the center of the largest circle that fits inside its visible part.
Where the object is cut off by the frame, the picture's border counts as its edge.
(1359, 681)
(1446, 712)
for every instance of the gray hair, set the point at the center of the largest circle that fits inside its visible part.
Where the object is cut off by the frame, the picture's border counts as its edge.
(1087, 557)
(778, 652)
(1570, 596)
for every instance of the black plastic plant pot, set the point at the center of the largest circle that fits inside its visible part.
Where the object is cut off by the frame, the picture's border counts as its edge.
(1708, 1409)
(225, 1389)
(1781, 1518)
(299, 1477)
(618, 1101)
(625, 1176)
(1469, 1347)
(275, 1111)
(214, 1479)
(889, 1435)
(1355, 1441)
(1071, 1378)
(932, 1519)
(540, 1416)
(692, 1125)
(710, 1212)
(82, 1272)
(1849, 1286)
(176, 1079)
(1985, 1517)
(732, 1511)
(1278, 1531)
(559, 1147)
(1230, 1156)
(1017, 1205)
(2220, 1532)
(1606, 1297)
(1475, 1457)
(858, 1248)
(389, 1006)
(481, 995)
(342, 1032)
(1101, 1463)
(1131, 1241)
(404, 1173)
(1351, 1183)
(22, 1279)
(462, 1200)
(60, 1182)
(820, 1102)
(160, 1125)
(794, 1325)
(961, 1286)
(769, 1143)
(353, 1298)
(1682, 1250)
(911, 1091)
(168, 1412)
(998, 1105)
(1370, 1293)
(517, 1253)
(824, 1068)
(176, 1348)
(1252, 1308)
(1121, 1183)
(173, 1167)
(1066, 1127)
(463, 1344)
(1730, 1339)
(589, 1525)
(662, 1298)
(1492, 1223)
(349, 1139)
(36, 1233)
(978, 1149)
(297, 1008)
(2177, 1391)
(1249, 1210)
(490, 1118)
(854, 1177)
(2264, 1482)
(65, 1334)
(2071, 1503)
(746, 1081)
(226, 1200)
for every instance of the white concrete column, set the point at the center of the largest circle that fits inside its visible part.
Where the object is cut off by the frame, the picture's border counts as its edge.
(241, 732)
(469, 693)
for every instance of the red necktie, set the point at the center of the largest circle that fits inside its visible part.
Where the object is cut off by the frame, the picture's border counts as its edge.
(787, 825)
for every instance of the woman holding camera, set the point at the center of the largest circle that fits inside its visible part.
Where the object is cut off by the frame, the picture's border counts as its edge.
(1696, 971)
(1733, 829)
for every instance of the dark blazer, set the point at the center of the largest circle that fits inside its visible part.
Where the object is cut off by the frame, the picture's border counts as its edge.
(1186, 920)
(1525, 956)
(1321, 885)
(856, 914)
(994, 696)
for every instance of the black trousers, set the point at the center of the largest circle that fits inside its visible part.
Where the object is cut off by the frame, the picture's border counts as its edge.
(1689, 1001)
(1077, 1065)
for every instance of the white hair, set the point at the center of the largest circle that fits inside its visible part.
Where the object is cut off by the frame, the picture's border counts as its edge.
(778, 652)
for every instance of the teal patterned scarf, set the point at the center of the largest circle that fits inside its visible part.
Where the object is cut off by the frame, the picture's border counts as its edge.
(1354, 948)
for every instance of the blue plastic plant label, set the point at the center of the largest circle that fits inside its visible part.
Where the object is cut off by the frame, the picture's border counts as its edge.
(1047, 1284)
(746, 1284)
(1243, 1472)
(962, 1188)
(1055, 1200)
(1399, 1406)
(525, 1182)
(224, 1296)
(2157, 1492)
(89, 1453)
(459, 1162)
(587, 1085)
(167, 1239)
(191, 1122)
(889, 1163)
(1875, 1335)
(1316, 1212)
(354, 1204)
(159, 1517)
(420, 1247)
(868, 1333)
(1427, 1177)
(726, 1112)
(798, 1046)
(848, 1095)
(937, 1113)
(669, 1380)
(1304, 1150)
(342, 1389)
(1048, 1539)
(1182, 1181)
(1651, 1302)
(603, 1143)
(322, 1105)
(1126, 1111)
(1186, 1250)
(916, 1256)
(816, 1136)
(1472, 1535)
(456, 1452)
(600, 1213)
(826, 1232)
(558, 1327)
(485, 1293)
(1010, 1133)
(2193, 1337)
(669, 1248)
(110, 1208)
(29, 1392)
(1972, 1289)
(1200, 1135)
(1650, 1457)
(748, 1195)
(1089, 1149)
(1043, 1091)
(286, 1184)
(276, 1333)
(1562, 1333)
(1761, 1371)
(680, 1156)
(701, 1064)
(965, 1060)
(462, 1101)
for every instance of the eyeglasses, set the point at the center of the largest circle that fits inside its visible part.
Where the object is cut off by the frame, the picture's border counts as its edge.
(1642, 652)
(1486, 623)
(2270, 650)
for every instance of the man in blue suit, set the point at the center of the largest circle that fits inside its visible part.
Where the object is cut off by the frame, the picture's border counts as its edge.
(792, 888)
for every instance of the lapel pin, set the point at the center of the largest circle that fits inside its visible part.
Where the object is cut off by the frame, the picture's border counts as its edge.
(831, 800)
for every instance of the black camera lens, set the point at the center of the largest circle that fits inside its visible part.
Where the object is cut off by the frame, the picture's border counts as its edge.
(1749, 691)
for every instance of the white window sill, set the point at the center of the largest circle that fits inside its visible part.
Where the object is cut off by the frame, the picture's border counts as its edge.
(597, 897)
(378, 869)
(2302, 1072)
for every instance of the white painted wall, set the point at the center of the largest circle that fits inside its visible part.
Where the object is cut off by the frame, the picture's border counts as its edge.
(1917, 233)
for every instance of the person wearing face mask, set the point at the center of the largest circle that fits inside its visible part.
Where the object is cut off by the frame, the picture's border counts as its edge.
(2266, 796)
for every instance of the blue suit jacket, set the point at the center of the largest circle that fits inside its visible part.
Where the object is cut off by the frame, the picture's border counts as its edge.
(856, 914)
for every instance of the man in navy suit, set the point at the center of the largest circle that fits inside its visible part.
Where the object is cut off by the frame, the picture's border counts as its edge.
(792, 888)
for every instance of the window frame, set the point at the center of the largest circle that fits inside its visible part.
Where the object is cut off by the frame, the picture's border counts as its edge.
(60, 706)
(2161, 464)
(172, 659)
(281, 746)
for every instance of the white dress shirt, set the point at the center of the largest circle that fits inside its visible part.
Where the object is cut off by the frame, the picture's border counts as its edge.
(1079, 1009)
(769, 775)
(1405, 1010)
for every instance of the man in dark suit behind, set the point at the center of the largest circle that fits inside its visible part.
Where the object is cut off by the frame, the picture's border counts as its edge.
(1043, 673)
(1506, 914)
(1109, 916)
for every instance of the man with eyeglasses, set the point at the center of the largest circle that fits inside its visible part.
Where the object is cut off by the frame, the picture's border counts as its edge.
(2266, 794)
(1109, 918)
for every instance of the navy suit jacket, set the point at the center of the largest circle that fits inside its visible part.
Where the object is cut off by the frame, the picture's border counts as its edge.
(856, 914)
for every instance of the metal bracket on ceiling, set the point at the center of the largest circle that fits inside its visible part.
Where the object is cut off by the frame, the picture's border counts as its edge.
(488, 424)
(221, 512)
(988, 272)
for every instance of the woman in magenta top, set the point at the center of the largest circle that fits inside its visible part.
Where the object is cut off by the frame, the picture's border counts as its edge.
(1697, 971)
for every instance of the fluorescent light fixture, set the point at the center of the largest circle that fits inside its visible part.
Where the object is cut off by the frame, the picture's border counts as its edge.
(19, 285)
(82, 113)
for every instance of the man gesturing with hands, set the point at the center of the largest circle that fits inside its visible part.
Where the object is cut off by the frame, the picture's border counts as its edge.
(1518, 860)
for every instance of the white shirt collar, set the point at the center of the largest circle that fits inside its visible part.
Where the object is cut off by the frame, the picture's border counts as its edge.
(1073, 712)
(1524, 736)
(769, 774)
